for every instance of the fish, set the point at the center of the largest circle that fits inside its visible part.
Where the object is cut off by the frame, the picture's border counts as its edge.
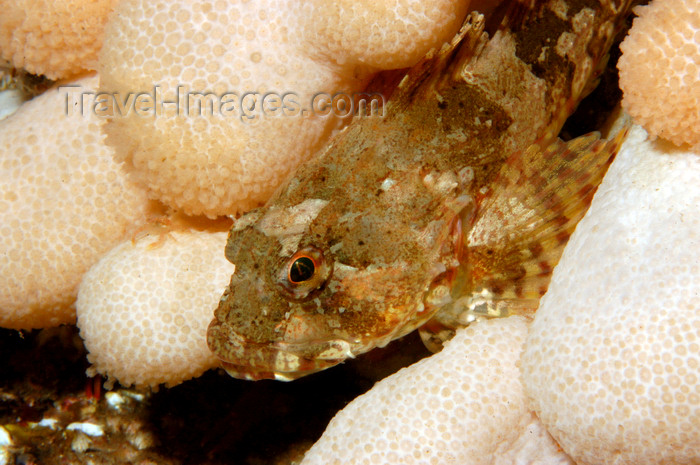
(454, 205)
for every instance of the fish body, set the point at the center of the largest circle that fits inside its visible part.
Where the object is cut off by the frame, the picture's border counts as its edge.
(457, 203)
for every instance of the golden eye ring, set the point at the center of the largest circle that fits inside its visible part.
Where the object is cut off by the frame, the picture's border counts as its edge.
(304, 272)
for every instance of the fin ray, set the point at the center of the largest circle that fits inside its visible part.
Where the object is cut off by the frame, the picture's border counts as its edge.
(527, 217)
(443, 64)
(520, 230)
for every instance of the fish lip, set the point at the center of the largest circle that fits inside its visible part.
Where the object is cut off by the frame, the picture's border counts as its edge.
(250, 373)
(281, 360)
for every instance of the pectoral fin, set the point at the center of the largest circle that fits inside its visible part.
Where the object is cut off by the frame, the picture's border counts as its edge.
(520, 229)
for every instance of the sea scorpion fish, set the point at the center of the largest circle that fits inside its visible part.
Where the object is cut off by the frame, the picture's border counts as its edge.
(456, 204)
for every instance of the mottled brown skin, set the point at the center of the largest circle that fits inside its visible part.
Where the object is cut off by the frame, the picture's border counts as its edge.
(392, 202)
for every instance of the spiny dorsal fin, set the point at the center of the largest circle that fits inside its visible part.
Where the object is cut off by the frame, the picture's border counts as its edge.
(440, 65)
(449, 62)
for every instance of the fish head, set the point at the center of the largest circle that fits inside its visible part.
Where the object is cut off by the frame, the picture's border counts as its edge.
(312, 289)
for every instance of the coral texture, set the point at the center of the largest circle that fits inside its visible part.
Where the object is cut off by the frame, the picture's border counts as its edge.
(381, 35)
(143, 310)
(227, 152)
(660, 70)
(463, 405)
(612, 360)
(64, 202)
(56, 39)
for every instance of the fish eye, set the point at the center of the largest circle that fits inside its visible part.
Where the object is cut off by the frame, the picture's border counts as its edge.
(304, 272)
(301, 269)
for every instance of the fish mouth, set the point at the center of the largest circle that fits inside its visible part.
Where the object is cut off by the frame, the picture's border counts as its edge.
(251, 373)
(283, 361)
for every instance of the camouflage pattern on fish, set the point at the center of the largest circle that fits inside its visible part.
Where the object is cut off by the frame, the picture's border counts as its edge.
(453, 206)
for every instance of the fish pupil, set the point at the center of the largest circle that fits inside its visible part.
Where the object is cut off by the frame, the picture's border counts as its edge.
(302, 269)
